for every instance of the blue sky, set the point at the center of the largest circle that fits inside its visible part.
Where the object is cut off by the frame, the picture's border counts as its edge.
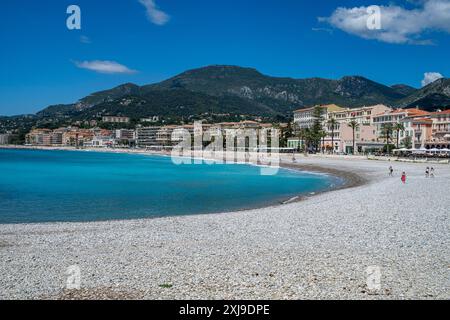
(145, 41)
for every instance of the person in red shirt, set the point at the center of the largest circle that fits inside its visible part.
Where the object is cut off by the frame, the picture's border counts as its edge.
(404, 177)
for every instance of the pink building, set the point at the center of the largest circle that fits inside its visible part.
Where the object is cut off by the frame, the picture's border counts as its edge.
(440, 130)
(366, 137)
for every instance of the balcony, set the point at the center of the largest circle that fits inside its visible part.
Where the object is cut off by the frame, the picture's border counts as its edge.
(441, 131)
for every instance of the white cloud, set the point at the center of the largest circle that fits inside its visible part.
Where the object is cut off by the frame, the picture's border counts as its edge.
(430, 77)
(85, 39)
(398, 25)
(154, 14)
(108, 67)
(330, 31)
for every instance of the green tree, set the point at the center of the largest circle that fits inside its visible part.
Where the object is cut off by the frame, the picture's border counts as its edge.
(317, 127)
(302, 139)
(398, 127)
(353, 125)
(306, 135)
(386, 131)
(332, 123)
(286, 133)
(407, 142)
(323, 135)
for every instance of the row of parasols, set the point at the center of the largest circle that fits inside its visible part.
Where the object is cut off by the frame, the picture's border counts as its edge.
(423, 151)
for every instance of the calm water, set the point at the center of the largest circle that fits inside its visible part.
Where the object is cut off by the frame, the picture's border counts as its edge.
(44, 186)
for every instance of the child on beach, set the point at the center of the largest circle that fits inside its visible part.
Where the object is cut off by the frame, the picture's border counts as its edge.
(404, 177)
(432, 172)
(391, 171)
(427, 172)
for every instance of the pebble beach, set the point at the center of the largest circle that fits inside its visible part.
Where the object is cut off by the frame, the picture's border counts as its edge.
(318, 248)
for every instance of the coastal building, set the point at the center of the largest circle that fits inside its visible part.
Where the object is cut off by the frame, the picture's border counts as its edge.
(418, 129)
(99, 132)
(396, 116)
(39, 137)
(153, 119)
(115, 119)
(101, 138)
(168, 136)
(147, 136)
(125, 134)
(440, 130)
(5, 138)
(366, 138)
(422, 129)
(294, 143)
(56, 138)
(100, 142)
(164, 136)
(339, 138)
(76, 137)
(304, 118)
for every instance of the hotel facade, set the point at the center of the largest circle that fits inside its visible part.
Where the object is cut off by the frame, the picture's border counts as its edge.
(340, 136)
(421, 129)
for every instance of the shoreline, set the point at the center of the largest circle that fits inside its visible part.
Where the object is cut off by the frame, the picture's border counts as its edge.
(349, 180)
(318, 248)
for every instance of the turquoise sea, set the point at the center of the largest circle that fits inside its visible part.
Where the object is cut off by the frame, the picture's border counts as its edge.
(48, 186)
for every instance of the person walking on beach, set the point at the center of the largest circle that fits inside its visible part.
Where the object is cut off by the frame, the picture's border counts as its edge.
(427, 172)
(404, 177)
(432, 172)
(391, 171)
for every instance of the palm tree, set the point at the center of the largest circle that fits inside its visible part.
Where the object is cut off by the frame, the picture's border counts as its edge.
(317, 127)
(332, 123)
(286, 133)
(407, 142)
(306, 135)
(386, 131)
(354, 125)
(399, 127)
(323, 134)
(301, 139)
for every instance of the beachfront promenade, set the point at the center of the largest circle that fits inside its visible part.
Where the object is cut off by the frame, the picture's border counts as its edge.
(319, 247)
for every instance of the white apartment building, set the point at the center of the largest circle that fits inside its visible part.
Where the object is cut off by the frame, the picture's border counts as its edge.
(5, 139)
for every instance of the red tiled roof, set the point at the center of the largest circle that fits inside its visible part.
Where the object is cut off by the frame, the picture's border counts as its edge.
(303, 110)
(423, 119)
(410, 111)
(441, 112)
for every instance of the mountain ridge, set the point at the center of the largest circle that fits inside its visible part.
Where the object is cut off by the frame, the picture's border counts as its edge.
(246, 91)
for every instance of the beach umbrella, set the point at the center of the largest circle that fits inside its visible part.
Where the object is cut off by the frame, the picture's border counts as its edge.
(421, 150)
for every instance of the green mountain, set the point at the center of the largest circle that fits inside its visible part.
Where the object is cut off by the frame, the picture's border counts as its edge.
(404, 89)
(108, 95)
(230, 92)
(177, 103)
(282, 94)
(434, 96)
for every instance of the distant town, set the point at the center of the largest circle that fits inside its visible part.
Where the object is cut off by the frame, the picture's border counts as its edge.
(323, 128)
